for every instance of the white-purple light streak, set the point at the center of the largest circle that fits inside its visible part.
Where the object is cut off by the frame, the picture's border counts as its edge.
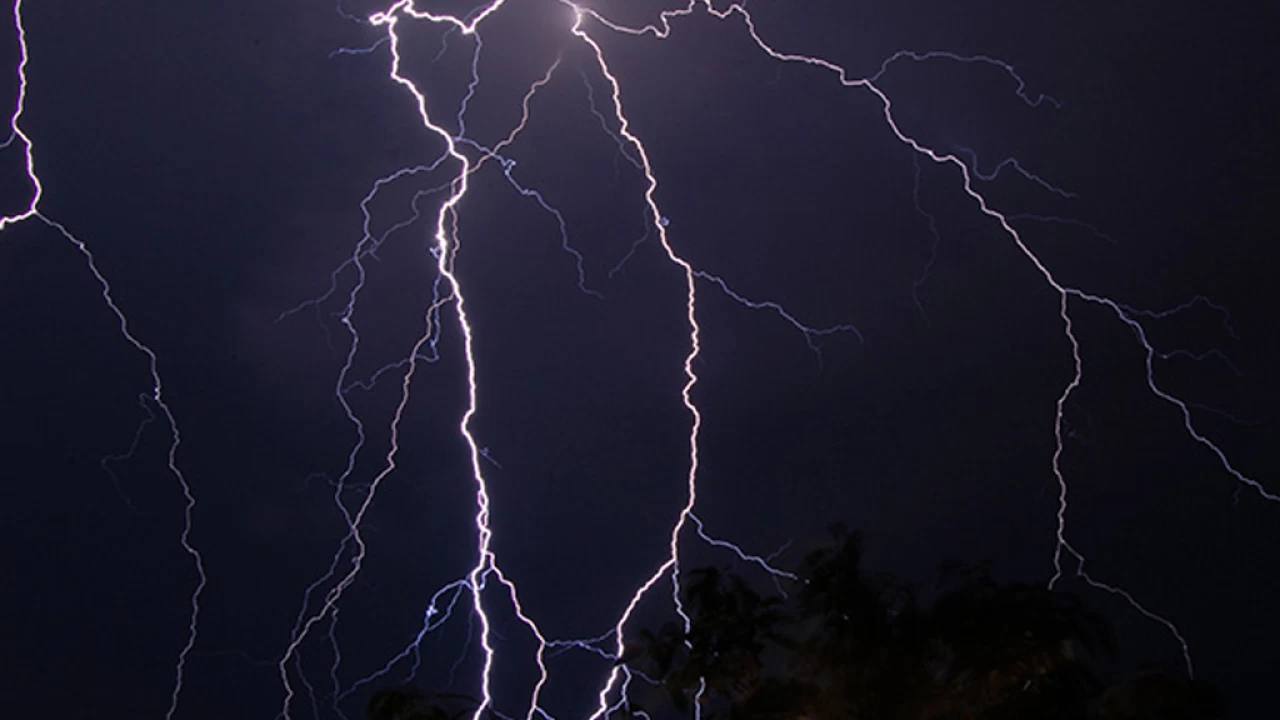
(156, 394)
(448, 293)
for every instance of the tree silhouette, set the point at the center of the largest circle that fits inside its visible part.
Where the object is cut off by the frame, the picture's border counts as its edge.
(843, 645)
(848, 646)
(407, 702)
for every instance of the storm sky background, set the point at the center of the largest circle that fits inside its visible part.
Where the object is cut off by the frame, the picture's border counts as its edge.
(213, 158)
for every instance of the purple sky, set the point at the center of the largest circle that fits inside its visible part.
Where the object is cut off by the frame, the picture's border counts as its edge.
(214, 160)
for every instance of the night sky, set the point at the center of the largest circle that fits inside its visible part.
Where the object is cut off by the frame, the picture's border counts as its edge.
(213, 158)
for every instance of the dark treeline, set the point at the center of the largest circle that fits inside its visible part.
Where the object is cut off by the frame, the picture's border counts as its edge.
(838, 643)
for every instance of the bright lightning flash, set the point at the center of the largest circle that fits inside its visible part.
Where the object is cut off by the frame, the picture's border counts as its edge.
(462, 157)
(32, 212)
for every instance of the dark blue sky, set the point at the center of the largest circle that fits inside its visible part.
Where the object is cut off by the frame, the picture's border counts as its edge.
(214, 159)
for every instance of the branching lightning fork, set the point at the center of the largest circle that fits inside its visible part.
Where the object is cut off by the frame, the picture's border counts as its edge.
(32, 212)
(633, 150)
(462, 158)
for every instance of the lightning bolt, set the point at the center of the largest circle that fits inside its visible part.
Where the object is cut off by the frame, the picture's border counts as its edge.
(462, 157)
(156, 394)
(963, 159)
(445, 248)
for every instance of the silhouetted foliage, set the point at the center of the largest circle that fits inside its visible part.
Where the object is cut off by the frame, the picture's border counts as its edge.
(842, 645)
(409, 703)
(847, 646)
(1155, 695)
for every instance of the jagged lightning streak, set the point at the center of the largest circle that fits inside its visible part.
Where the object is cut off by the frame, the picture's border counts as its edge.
(32, 211)
(445, 237)
(368, 247)
(446, 244)
(445, 249)
(968, 174)
(672, 563)
(15, 126)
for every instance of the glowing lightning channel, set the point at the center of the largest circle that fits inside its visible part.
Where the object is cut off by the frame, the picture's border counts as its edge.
(672, 563)
(153, 365)
(445, 249)
(662, 30)
(368, 247)
(486, 561)
(15, 126)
